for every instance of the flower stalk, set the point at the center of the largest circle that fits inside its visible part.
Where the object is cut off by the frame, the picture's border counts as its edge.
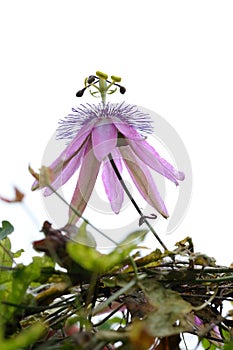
(134, 202)
(104, 138)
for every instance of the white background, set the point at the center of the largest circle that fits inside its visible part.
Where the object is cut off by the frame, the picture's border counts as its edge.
(175, 57)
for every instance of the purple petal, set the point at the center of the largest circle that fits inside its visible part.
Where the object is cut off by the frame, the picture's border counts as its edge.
(104, 139)
(69, 152)
(35, 185)
(87, 177)
(128, 131)
(150, 157)
(112, 184)
(143, 180)
(66, 172)
(72, 149)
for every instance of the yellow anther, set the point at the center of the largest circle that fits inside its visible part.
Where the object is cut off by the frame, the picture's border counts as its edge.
(116, 79)
(101, 75)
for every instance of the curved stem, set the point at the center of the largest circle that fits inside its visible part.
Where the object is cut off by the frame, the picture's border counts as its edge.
(133, 201)
(76, 212)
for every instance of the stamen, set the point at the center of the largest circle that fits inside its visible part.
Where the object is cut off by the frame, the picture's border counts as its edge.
(116, 79)
(91, 79)
(122, 89)
(101, 75)
(103, 87)
(80, 92)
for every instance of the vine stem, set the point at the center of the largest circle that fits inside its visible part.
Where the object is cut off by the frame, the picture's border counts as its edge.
(76, 212)
(134, 202)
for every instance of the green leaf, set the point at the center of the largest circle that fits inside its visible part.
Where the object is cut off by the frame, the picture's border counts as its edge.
(170, 310)
(5, 276)
(6, 229)
(25, 338)
(91, 259)
(207, 345)
(21, 279)
(80, 234)
(5, 261)
(5, 252)
(18, 253)
(43, 261)
(111, 322)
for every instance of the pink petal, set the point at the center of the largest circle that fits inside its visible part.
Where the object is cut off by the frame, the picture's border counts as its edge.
(35, 185)
(104, 139)
(66, 172)
(143, 180)
(112, 184)
(128, 131)
(150, 157)
(74, 147)
(87, 177)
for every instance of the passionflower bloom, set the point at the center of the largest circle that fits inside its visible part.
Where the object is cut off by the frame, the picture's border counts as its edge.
(97, 132)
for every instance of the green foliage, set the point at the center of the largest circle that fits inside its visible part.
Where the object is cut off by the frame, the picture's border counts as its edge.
(6, 229)
(87, 304)
(24, 339)
(6, 262)
(5, 257)
(207, 345)
(92, 260)
(15, 279)
(82, 236)
(170, 310)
